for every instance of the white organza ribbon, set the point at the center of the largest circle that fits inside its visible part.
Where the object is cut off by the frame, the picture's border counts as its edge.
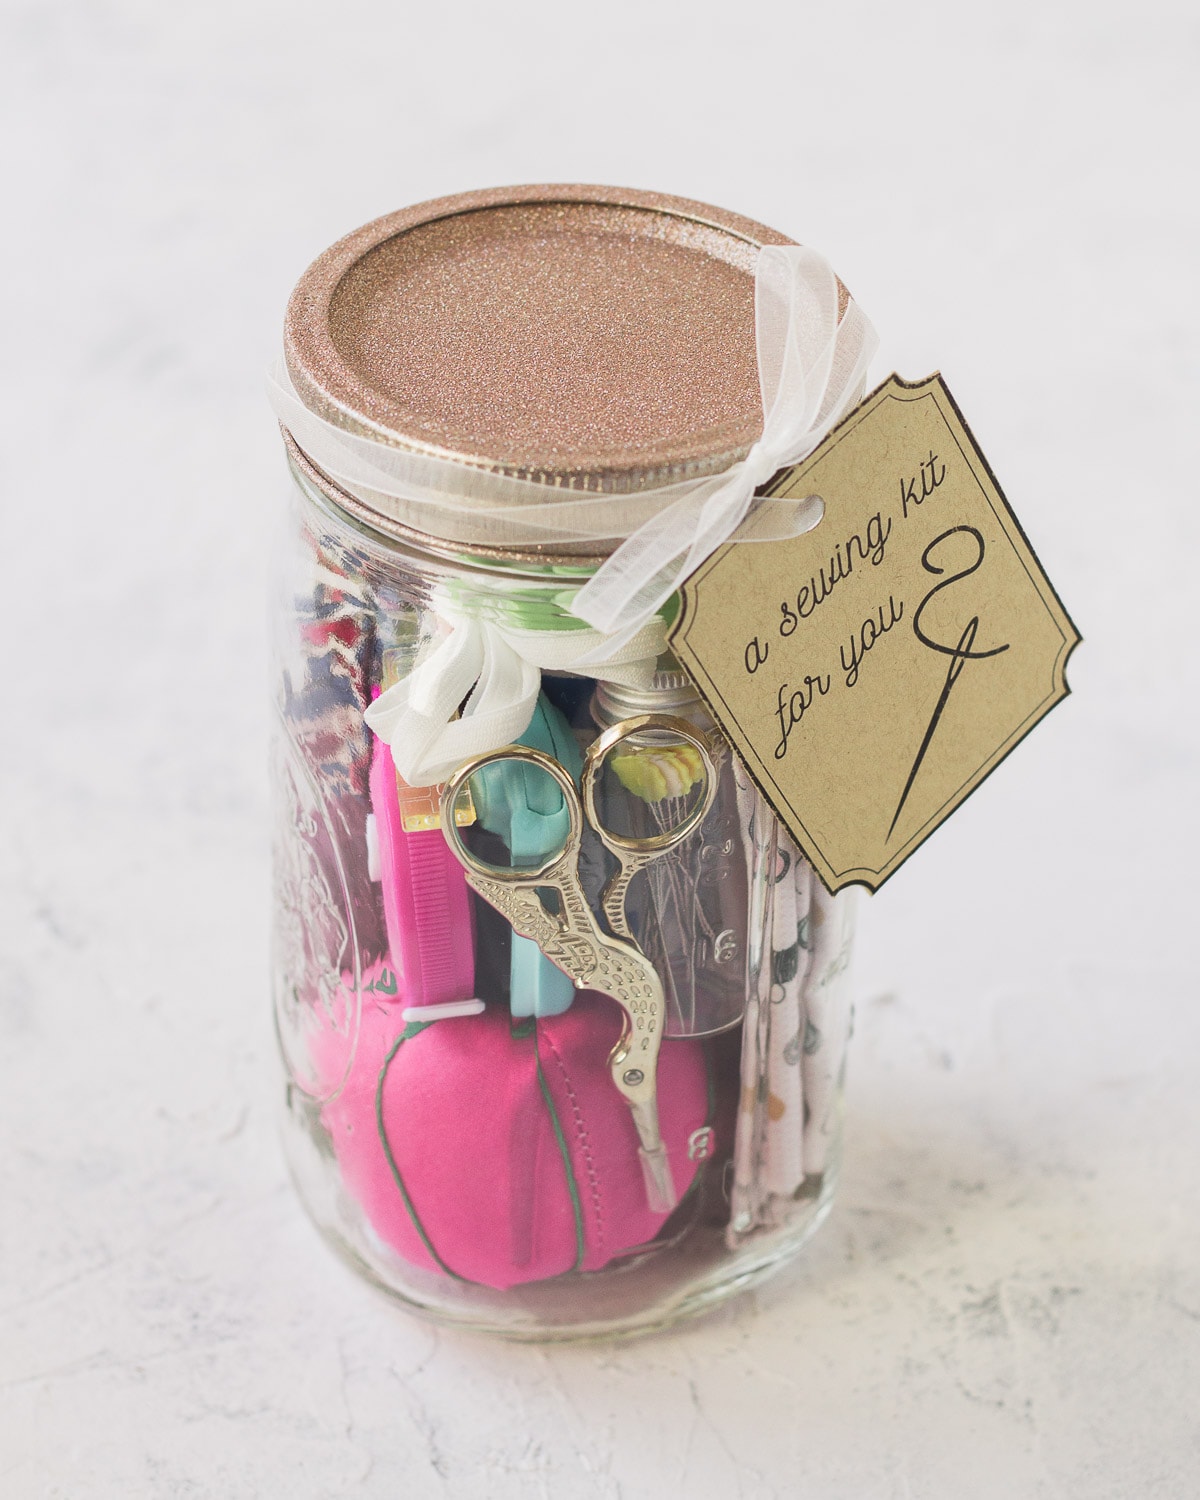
(501, 668)
(811, 368)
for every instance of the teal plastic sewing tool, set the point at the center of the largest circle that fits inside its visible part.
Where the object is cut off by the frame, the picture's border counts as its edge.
(527, 810)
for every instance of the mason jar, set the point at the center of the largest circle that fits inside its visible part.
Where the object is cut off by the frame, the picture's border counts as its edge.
(561, 1009)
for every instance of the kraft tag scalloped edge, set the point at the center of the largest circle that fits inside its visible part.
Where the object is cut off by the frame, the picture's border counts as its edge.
(871, 672)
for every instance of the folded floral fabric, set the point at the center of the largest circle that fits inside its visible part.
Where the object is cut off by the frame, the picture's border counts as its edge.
(327, 676)
(327, 668)
(828, 1015)
(795, 1029)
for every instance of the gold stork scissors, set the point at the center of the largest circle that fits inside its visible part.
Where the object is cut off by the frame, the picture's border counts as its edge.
(572, 937)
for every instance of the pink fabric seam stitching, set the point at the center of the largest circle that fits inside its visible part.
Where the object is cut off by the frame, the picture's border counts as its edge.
(585, 1145)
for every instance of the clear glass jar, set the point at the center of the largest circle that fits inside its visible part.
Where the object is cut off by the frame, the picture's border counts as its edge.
(482, 1168)
(563, 1040)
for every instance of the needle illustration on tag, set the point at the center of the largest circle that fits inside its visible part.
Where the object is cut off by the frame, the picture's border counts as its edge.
(959, 655)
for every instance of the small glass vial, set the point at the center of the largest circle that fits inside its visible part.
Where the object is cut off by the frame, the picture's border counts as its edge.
(689, 911)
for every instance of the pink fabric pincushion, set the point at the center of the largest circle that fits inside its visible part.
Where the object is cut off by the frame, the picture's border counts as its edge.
(513, 1173)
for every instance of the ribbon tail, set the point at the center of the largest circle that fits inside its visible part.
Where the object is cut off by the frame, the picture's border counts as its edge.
(413, 714)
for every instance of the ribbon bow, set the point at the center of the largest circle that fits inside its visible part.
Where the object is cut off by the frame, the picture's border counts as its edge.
(812, 362)
(500, 666)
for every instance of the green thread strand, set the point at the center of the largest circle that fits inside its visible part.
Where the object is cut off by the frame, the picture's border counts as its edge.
(572, 1185)
(414, 1028)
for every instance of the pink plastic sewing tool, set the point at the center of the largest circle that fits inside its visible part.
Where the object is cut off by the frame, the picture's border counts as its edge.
(426, 902)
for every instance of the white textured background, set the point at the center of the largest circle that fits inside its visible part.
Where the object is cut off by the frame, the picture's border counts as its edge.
(1006, 1302)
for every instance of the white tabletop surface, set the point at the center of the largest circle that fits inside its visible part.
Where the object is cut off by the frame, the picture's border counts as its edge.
(1005, 1304)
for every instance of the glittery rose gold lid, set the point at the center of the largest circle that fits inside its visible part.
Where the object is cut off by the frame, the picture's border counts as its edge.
(592, 337)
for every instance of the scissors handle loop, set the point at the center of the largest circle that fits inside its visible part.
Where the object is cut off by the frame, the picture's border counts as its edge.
(602, 747)
(516, 874)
